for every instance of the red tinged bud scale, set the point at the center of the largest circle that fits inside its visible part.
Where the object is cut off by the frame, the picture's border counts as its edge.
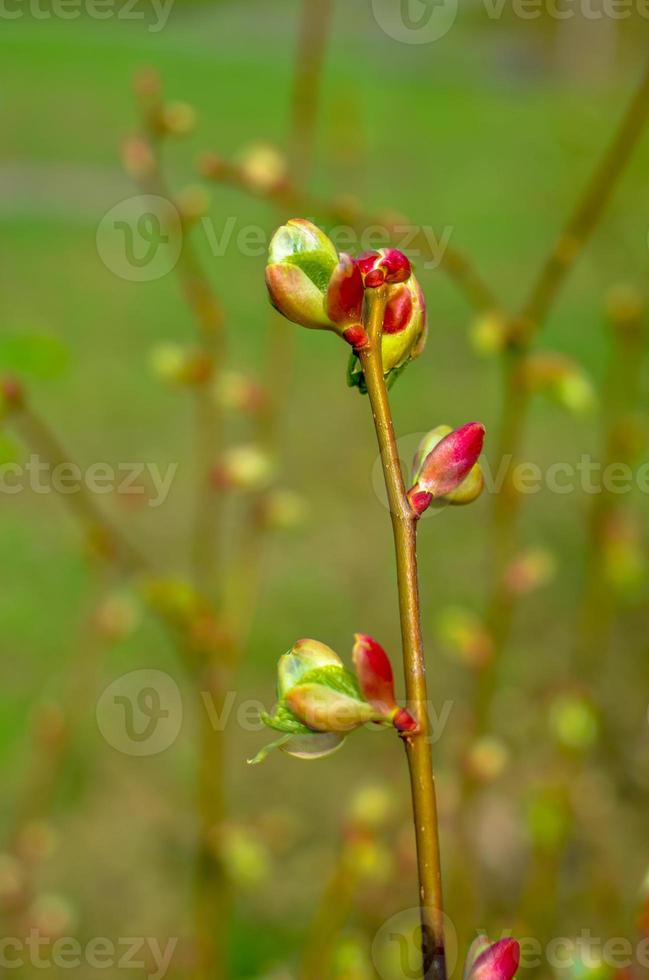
(388, 265)
(497, 962)
(446, 467)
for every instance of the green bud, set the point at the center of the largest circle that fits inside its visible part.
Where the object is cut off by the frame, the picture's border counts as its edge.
(301, 263)
(573, 721)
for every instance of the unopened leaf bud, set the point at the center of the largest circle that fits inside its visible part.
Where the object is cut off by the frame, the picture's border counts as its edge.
(371, 807)
(561, 378)
(466, 636)
(117, 616)
(388, 265)
(238, 392)
(11, 394)
(487, 759)
(178, 365)
(488, 333)
(404, 333)
(530, 571)
(301, 265)
(138, 159)
(318, 696)
(193, 203)
(441, 472)
(263, 167)
(243, 468)
(573, 721)
(52, 916)
(498, 961)
(177, 118)
(283, 510)
(626, 308)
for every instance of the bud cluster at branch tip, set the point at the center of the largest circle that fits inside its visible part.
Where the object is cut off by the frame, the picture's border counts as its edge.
(446, 467)
(320, 701)
(312, 285)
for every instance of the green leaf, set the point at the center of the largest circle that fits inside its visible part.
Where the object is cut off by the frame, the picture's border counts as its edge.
(283, 720)
(318, 266)
(335, 678)
(36, 355)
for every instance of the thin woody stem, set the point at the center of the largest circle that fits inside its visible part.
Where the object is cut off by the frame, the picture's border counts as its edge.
(418, 746)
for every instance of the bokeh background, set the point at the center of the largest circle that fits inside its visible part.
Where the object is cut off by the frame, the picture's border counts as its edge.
(488, 134)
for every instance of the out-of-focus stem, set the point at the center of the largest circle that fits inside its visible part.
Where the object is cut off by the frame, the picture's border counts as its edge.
(418, 746)
(516, 400)
(477, 292)
(107, 540)
(620, 399)
(212, 900)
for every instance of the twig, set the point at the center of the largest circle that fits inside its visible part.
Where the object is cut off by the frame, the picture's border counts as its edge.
(418, 746)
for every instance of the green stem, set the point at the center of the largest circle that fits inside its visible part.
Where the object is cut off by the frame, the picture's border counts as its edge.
(418, 746)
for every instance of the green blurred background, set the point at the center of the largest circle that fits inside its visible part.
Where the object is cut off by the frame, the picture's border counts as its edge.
(489, 132)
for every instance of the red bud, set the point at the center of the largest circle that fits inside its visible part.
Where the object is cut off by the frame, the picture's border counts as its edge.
(388, 265)
(448, 464)
(498, 962)
(374, 672)
(344, 302)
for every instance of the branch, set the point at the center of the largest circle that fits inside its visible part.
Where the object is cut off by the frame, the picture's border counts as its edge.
(418, 745)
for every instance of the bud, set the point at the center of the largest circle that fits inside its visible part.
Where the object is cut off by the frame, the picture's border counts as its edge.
(178, 365)
(449, 470)
(404, 333)
(487, 759)
(561, 378)
(623, 556)
(237, 392)
(283, 510)
(117, 617)
(245, 857)
(488, 333)
(626, 308)
(11, 395)
(52, 916)
(466, 635)
(310, 284)
(376, 681)
(530, 571)
(388, 265)
(573, 721)
(320, 701)
(498, 961)
(263, 167)
(243, 468)
(193, 203)
(138, 159)
(371, 807)
(177, 118)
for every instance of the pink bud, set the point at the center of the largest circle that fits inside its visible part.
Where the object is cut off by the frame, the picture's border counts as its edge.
(388, 265)
(374, 672)
(448, 464)
(498, 962)
(376, 681)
